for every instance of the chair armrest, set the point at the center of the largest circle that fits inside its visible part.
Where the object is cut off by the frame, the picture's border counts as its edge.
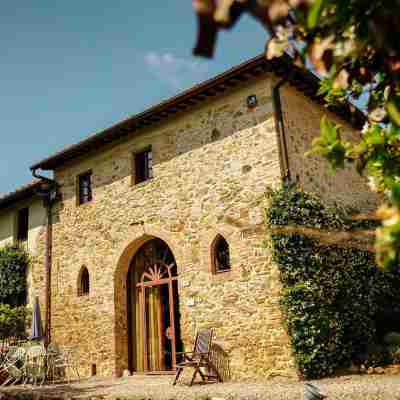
(193, 356)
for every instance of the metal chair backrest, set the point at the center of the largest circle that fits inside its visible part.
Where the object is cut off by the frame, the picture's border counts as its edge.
(15, 353)
(35, 351)
(203, 341)
(53, 348)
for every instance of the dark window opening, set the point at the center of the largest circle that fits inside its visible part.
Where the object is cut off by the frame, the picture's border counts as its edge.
(84, 284)
(85, 188)
(221, 255)
(23, 224)
(143, 166)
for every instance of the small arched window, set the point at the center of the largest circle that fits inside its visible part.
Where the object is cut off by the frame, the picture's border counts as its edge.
(84, 282)
(220, 255)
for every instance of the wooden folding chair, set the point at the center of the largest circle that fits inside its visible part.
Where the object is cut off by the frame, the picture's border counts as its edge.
(199, 358)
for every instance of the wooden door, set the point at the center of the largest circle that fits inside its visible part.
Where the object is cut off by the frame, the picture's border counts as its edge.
(153, 309)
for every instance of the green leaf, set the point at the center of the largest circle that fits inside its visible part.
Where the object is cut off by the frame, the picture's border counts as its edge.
(328, 130)
(374, 136)
(315, 13)
(395, 194)
(337, 155)
(393, 112)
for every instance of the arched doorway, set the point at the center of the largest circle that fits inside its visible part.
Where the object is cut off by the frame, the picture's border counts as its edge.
(153, 309)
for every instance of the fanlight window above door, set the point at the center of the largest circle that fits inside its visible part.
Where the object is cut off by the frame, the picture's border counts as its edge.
(157, 261)
(158, 272)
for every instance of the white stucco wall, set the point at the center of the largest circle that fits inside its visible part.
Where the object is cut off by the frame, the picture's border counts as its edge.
(6, 227)
(37, 220)
(8, 231)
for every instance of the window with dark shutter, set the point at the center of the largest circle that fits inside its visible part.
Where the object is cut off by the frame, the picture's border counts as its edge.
(85, 187)
(143, 166)
(23, 224)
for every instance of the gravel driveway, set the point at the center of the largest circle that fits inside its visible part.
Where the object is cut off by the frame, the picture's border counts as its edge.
(355, 387)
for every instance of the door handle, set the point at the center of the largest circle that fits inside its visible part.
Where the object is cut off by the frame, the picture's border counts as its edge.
(169, 333)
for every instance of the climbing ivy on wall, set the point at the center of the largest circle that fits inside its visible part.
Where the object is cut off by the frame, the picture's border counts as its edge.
(13, 265)
(332, 294)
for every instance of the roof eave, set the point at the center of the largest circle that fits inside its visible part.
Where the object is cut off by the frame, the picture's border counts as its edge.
(282, 67)
(21, 194)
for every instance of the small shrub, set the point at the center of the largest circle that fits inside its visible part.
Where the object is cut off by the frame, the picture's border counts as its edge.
(13, 264)
(12, 320)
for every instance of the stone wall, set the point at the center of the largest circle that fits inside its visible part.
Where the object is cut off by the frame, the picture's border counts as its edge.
(211, 169)
(212, 166)
(302, 121)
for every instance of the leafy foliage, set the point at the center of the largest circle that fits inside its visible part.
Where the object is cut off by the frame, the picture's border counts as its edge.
(13, 264)
(353, 47)
(12, 320)
(332, 295)
(329, 144)
(292, 207)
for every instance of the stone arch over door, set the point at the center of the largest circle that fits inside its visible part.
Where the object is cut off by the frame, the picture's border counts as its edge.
(127, 253)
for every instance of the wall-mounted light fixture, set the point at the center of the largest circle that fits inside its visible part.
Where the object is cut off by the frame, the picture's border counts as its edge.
(252, 101)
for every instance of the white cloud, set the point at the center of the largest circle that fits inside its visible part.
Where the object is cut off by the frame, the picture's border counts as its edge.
(175, 71)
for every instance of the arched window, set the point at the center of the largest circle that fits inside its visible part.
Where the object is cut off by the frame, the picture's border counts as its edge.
(220, 255)
(83, 283)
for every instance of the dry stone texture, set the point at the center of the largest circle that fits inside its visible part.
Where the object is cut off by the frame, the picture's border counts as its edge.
(211, 169)
(212, 166)
(345, 187)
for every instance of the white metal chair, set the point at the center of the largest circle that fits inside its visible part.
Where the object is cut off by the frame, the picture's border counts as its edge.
(61, 363)
(35, 366)
(13, 365)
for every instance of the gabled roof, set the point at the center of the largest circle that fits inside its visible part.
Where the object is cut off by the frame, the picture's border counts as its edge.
(22, 193)
(283, 67)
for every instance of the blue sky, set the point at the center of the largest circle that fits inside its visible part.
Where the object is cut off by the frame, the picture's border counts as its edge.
(71, 68)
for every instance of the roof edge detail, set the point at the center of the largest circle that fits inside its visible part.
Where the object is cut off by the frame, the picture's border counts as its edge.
(283, 67)
(22, 193)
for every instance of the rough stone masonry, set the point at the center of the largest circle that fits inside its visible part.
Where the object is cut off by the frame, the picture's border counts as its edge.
(212, 167)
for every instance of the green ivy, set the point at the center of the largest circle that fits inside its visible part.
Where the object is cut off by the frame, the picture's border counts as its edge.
(13, 265)
(331, 294)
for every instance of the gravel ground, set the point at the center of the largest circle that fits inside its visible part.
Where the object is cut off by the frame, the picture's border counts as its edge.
(355, 387)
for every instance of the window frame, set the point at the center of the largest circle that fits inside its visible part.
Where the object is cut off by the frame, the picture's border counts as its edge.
(148, 167)
(214, 269)
(83, 287)
(79, 195)
(18, 236)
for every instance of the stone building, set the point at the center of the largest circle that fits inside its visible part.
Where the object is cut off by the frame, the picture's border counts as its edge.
(22, 218)
(158, 226)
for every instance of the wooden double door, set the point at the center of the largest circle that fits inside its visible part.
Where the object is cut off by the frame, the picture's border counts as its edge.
(153, 309)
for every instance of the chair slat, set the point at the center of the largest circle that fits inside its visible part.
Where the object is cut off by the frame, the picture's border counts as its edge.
(203, 342)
